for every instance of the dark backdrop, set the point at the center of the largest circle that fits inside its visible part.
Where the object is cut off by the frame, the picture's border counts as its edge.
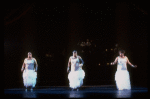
(51, 31)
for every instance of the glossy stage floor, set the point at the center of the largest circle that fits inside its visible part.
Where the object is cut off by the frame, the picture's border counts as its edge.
(105, 91)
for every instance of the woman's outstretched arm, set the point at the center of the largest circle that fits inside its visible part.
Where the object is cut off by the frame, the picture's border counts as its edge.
(130, 63)
(113, 63)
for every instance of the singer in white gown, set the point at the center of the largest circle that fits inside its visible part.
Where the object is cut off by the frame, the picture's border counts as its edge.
(122, 76)
(29, 69)
(76, 74)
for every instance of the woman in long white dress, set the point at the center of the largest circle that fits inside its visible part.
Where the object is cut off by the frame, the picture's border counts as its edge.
(29, 69)
(122, 76)
(76, 74)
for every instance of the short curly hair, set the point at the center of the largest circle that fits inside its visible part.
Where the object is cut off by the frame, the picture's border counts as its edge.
(122, 51)
(29, 53)
(74, 51)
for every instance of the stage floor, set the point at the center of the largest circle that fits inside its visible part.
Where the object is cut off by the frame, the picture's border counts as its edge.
(106, 91)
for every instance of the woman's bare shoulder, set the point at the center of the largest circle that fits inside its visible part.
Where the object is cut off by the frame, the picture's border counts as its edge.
(79, 56)
(126, 57)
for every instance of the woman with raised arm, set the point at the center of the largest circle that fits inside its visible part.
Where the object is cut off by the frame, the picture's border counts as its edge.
(76, 75)
(29, 69)
(122, 76)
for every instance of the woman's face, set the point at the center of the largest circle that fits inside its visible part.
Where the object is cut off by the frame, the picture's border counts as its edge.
(29, 55)
(74, 54)
(121, 54)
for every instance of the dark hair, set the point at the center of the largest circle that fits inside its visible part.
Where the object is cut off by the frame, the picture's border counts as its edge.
(29, 53)
(74, 51)
(122, 51)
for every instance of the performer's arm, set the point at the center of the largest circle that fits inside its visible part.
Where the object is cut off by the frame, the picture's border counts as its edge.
(130, 63)
(23, 66)
(36, 65)
(113, 63)
(69, 64)
(82, 62)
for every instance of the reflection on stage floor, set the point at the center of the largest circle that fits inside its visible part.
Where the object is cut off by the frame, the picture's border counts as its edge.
(107, 91)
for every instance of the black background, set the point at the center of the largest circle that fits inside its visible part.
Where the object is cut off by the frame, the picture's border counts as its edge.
(58, 28)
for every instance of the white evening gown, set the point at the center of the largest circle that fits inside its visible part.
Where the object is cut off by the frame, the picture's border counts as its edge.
(29, 74)
(76, 75)
(122, 76)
